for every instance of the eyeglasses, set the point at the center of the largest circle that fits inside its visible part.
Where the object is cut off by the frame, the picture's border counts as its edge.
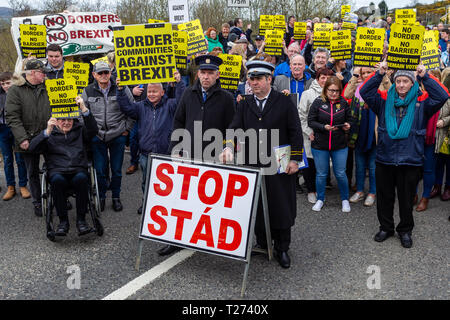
(333, 91)
(102, 72)
(65, 120)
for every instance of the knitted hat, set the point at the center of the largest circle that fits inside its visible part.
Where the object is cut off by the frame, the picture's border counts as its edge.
(405, 73)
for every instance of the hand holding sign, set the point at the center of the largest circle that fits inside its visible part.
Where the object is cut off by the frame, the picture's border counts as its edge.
(226, 156)
(292, 167)
(383, 68)
(50, 125)
(421, 70)
(80, 102)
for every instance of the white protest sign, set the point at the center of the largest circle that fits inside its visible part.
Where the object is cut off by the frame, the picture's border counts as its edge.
(178, 11)
(206, 207)
(76, 32)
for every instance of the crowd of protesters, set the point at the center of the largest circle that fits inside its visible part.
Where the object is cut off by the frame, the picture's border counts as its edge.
(389, 126)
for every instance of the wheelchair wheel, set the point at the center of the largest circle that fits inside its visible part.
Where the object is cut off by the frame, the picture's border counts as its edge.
(98, 227)
(47, 207)
(94, 191)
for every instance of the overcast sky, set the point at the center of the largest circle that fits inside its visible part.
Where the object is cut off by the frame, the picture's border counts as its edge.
(359, 3)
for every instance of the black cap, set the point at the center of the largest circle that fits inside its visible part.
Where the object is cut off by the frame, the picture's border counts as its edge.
(256, 68)
(35, 64)
(208, 62)
(259, 37)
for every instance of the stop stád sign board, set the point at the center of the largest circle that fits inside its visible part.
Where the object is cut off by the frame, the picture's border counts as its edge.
(206, 207)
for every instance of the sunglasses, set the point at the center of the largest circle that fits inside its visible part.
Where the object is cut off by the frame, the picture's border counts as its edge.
(102, 72)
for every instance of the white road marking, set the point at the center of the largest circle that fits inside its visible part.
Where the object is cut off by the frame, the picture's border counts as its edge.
(133, 286)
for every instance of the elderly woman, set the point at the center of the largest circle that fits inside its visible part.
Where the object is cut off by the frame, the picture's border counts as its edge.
(329, 117)
(403, 113)
(64, 145)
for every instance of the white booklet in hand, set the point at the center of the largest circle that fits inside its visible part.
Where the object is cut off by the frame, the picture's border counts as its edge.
(282, 156)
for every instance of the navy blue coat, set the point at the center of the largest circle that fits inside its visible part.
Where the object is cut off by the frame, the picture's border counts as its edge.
(409, 151)
(155, 122)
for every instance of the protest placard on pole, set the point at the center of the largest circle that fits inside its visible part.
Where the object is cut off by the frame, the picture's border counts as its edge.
(180, 48)
(405, 46)
(196, 39)
(78, 71)
(266, 22)
(341, 44)
(344, 10)
(300, 30)
(322, 35)
(238, 3)
(230, 71)
(33, 39)
(144, 53)
(368, 47)
(279, 22)
(405, 16)
(350, 21)
(274, 42)
(430, 51)
(62, 94)
(155, 21)
(178, 11)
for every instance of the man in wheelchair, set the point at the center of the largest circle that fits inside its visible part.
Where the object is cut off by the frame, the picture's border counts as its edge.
(64, 145)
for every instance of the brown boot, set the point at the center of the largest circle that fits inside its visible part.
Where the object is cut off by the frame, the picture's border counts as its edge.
(10, 193)
(446, 195)
(423, 204)
(436, 191)
(132, 169)
(25, 193)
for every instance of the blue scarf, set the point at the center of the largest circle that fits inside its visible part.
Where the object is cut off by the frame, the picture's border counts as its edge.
(393, 101)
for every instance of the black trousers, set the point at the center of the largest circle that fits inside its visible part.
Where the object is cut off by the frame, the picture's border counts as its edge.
(350, 165)
(32, 164)
(404, 179)
(280, 237)
(310, 176)
(61, 183)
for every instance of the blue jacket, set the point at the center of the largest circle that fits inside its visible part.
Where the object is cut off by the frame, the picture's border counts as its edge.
(409, 151)
(155, 122)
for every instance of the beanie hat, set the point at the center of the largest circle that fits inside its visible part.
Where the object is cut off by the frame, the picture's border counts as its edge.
(405, 73)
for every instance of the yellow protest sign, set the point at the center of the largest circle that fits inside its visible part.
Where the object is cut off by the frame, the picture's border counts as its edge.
(196, 39)
(279, 22)
(144, 53)
(405, 46)
(299, 30)
(405, 16)
(345, 9)
(105, 58)
(62, 94)
(341, 44)
(78, 71)
(322, 35)
(155, 21)
(368, 47)
(266, 22)
(180, 48)
(430, 51)
(274, 42)
(33, 39)
(230, 71)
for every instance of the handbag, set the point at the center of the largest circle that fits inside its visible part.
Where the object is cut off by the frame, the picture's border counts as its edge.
(445, 147)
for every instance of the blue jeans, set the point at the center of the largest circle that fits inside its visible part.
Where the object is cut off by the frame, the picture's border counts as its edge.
(143, 160)
(442, 164)
(116, 148)
(365, 160)
(339, 160)
(134, 145)
(428, 170)
(6, 146)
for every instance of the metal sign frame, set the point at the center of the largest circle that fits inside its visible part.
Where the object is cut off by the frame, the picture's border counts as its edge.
(260, 190)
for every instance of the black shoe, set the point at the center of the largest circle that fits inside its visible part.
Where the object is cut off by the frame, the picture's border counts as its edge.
(68, 205)
(102, 204)
(383, 235)
(139, 211)
(82, 227)
(299, 189)
(283, 259)
(405, 239)
(168, 250)
(117, 205)
(38, 210)
(63, 228)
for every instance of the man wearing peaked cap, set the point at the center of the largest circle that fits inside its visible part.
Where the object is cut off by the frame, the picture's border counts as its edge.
(270, 112)
(204, 105)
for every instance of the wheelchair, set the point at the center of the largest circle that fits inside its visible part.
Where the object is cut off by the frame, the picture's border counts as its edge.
(93, 203)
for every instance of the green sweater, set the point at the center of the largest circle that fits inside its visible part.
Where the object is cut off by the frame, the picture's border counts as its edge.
(213, 43)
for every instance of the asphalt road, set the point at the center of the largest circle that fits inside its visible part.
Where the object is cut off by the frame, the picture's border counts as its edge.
(333, 257)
